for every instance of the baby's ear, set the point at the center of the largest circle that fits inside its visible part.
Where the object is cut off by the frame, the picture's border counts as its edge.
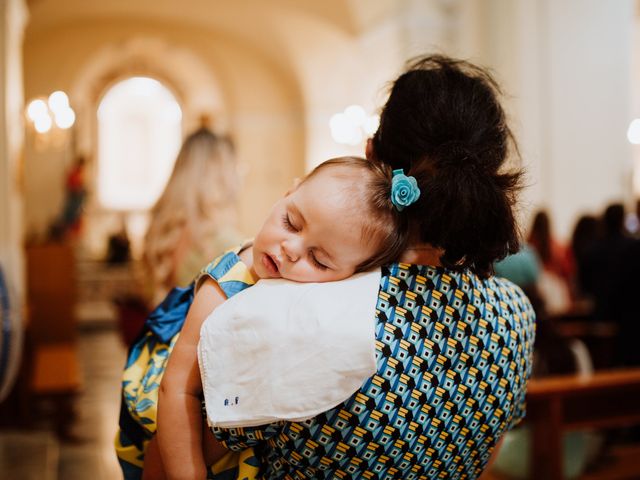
(368, 149)
(296, 183)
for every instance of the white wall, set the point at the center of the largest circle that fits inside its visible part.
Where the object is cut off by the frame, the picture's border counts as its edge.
(588, 105)
(566, 68)
(336, 69)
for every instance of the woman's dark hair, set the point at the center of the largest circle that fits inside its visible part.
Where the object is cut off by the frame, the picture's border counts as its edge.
(613, 220)
(585, 233)
(444, 125)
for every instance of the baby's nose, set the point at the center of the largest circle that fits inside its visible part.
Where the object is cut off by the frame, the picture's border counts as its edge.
(290, 250)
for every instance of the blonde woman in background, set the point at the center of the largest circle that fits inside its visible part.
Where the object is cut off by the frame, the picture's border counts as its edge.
(195, 217)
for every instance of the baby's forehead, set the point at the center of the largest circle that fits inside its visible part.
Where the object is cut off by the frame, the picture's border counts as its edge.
(341, 190)
(347, 181)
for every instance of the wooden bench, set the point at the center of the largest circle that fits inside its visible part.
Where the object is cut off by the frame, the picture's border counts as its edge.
(52, 331)
(555, 404)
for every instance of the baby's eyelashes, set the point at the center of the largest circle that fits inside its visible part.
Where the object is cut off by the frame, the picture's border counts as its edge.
(317, 262)
(287, 223)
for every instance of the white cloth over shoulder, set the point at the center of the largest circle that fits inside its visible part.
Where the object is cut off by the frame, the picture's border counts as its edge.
(287, 351)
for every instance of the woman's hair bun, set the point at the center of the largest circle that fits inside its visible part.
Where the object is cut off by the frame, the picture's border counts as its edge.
(456, 155)
(443, 123)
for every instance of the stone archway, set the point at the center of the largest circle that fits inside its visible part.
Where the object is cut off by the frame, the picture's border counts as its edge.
(189, 79)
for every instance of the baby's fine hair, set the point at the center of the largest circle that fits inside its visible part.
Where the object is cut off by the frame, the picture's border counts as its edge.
(382, 222)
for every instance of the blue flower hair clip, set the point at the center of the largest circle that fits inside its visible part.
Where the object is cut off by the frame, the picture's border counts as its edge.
(404, 190)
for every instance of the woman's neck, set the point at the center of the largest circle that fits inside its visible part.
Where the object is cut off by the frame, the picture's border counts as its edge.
(422, 254)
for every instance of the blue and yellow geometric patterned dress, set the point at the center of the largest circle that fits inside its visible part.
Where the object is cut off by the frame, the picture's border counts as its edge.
(147, 359)
(453, 355)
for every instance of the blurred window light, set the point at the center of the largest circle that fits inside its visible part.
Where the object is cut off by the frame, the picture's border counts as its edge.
(42, 123)
(58, 101)
(371, 125)
(355, 114)
(633, 133)
(344, 131)
(37, 108)
(353, 125)
(56, 109)
(64, 118)
(632, 223)
(139, 135)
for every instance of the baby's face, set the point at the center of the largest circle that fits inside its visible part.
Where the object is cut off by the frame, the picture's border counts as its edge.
(314, 233)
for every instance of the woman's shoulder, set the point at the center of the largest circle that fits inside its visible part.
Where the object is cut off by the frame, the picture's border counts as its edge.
(465, 285)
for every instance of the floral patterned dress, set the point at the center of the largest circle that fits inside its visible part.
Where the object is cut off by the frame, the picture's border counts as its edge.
(147, 360)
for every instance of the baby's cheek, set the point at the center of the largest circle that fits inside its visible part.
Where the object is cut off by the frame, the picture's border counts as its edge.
(305, 272)
(310, 274)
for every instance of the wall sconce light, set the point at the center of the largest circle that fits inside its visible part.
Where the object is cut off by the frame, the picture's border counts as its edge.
(353, 125)
(633, 133)
(55, 111)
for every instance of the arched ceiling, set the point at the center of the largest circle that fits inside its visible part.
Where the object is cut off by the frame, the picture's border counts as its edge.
(349, 16)
(263, 26)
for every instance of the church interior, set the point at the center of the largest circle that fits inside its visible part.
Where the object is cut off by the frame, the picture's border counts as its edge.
(97, 98)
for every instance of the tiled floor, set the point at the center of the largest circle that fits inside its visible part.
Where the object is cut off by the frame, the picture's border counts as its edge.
(29, 455)
(102, 358)
(38, 455)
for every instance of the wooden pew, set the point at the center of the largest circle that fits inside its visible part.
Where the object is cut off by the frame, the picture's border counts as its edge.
(600, 338)
(52, 331)
(555, 404)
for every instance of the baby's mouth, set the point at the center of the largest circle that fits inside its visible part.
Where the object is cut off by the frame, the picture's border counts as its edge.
(271, 264)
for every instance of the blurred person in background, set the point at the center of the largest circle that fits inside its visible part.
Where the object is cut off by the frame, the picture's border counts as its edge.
(585, 234)
(554, 280)
(603, 263)
(69, 222)
(522, 268)
(635, 222)
(191, 223)
(195, 217)
(554, 354)
(626, 286)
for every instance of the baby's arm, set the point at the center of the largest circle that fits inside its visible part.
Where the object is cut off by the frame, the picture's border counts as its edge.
(153, 469)
(179, 405)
